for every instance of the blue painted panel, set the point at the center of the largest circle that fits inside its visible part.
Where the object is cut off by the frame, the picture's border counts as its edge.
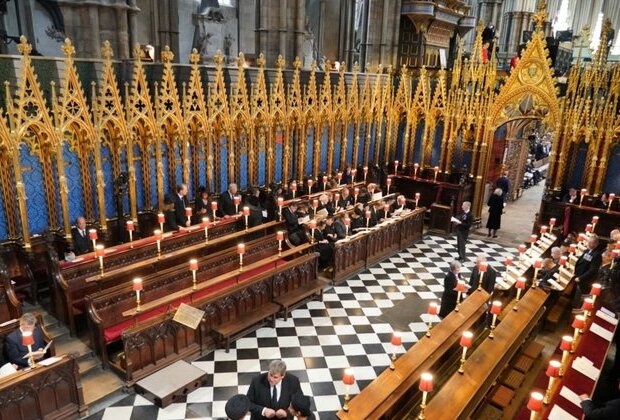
(360, 152)
(295, 147)
(178, 166)
(76, 194)
(436, 153)
(466, 161)
(400, 140)
(223, 164)
(168, 183)
(324, 141)
(579, 168)
(382, 145)
(243, 170)
(279, 164)
(3, 224)
(108, 179)
(124, 168)
(154, 169)
(202, 167)
(140, 199)
(338, 139)
(371, 150)
(612, 180)
(309, 152)
(36, 204)
(350, 138)
(262, 169)
(417, 151)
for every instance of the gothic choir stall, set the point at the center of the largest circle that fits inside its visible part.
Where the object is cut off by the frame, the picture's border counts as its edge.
(275, 235)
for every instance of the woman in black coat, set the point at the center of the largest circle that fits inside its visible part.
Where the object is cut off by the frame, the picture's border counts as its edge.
(496, 208)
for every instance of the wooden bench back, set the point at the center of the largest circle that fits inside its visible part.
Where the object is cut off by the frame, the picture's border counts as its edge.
(384, 396)
(146, 249)
(149, 344)
(106, 307)
(10, 306)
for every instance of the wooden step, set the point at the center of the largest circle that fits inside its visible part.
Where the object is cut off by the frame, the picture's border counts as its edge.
(57, 331)
(100, 385)
(88, 365)
(68, 344)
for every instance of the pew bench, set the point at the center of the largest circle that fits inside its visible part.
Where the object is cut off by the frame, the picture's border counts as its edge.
(246, 324)
(300, 295)
(150, 345)
(113, 311)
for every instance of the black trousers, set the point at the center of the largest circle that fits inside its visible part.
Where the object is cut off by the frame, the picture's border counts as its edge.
(461, 240)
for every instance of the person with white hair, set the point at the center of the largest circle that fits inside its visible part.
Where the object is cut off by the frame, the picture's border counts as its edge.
(448, 299)
(463, 222)
(496, 208)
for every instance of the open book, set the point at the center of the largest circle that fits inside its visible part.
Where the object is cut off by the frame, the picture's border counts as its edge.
(7, 369)
(39, 353)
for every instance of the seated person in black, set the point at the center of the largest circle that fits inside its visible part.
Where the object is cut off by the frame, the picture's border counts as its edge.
(81, 242)
(357, 219)
(296, 233)
(14, 350)
(322, 245)
(170, 219)
(345, 199)
(202, 205)
(329, 232)
(571, 197)
(340, 228)
(324, 203)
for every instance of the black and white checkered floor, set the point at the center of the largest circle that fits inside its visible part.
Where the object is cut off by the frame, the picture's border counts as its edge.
(321, 339)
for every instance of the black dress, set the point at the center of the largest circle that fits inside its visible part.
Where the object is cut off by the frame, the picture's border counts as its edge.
(496, 207)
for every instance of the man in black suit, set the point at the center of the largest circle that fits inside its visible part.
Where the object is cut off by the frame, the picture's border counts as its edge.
(586, 268)
(609, 410)
(488, 279)
(571, 197)
(448, 299)
(14, 350)
(340, 228)
(81, 243)
(227, 201)
(270, 393)
(180, 203)
(462, 229)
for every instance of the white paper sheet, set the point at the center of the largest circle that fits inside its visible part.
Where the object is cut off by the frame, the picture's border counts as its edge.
(570, 395)
(49, 361)
(7, 369)
(602, 332)
(608, 313)
(586, 367)
(558, 413)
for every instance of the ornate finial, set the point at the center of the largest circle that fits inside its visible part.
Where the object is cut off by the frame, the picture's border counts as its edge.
(194, 57)
(261, 60)
(240, 60)
(479, 27)
(540, 17)
(106, 50)
(166, 55)
(379, 68)
(356, 67)
(390, 69)
(297, 63)
(280, 63)
(313, 66)
(342, 67)
(67, 48)
(328, 65)
(404, 70)
(218, 58)
(137, 52)
(24, 47)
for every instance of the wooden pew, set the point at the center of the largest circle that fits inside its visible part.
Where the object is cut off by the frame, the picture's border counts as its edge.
(230, 311)
(384, 396)
(574, 218)
(364, 249)
(10, 306)
(459, 397)
(431, 192)
(74, 282)
(47, 392)
(113, 310)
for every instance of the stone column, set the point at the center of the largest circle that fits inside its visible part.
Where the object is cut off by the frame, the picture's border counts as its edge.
(283, 28)
(123, 34)
(300, 29)
(94, 43)
(133, 24)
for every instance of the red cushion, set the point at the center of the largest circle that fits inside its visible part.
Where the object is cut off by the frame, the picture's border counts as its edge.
(114, 332)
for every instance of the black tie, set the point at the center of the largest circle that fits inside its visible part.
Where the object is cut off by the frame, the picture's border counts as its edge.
(274, 398)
